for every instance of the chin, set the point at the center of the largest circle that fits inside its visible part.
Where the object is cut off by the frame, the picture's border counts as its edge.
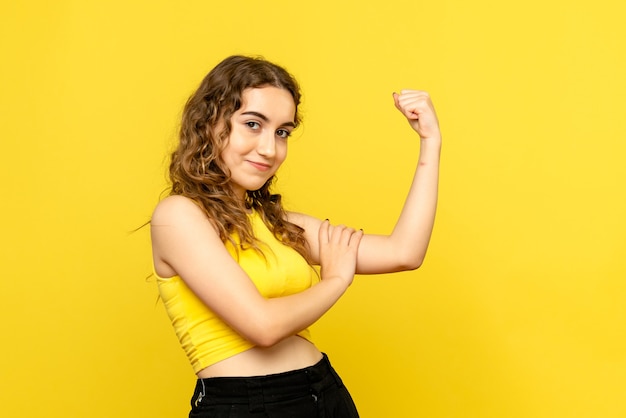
(254, 187)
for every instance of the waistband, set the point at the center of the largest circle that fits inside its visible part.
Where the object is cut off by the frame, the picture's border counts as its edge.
(309, 381)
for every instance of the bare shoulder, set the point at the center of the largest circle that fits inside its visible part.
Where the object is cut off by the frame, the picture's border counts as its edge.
(179, 219)
(180, 233)
(175, 209)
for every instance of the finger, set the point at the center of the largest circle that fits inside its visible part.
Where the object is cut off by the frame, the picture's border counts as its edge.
(412, 92)
(336, 233)
(355, 239)
(396, 101)
(331, 231)
(410, 110)
(413, 95)
(323, 232)
(410, 104)
(346, 236)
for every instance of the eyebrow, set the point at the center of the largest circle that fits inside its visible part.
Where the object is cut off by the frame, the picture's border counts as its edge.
(266, 119)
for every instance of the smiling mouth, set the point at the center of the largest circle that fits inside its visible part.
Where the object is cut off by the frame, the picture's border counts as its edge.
(260, 166)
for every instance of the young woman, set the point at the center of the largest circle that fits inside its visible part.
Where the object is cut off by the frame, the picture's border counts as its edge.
(234, 268)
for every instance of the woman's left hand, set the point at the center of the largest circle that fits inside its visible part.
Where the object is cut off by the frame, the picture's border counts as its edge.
(417, 107)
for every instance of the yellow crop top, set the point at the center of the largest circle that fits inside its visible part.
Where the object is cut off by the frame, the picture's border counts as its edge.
(204, 337)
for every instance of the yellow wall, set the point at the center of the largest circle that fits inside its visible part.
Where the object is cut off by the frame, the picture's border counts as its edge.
(519, 310)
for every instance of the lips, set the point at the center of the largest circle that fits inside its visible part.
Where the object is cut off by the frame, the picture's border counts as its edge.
(260, 166)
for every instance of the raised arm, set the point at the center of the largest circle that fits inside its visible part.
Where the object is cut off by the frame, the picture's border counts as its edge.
(185, 243)
(405, 248)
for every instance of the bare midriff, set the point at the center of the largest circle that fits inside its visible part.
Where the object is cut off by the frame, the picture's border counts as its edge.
(292, 353)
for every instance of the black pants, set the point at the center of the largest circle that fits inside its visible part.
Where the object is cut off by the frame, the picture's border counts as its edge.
(315, 391)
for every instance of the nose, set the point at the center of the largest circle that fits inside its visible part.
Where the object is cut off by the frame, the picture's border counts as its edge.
(267, 145)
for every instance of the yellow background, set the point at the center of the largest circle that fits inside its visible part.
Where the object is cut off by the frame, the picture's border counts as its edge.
(519, 310)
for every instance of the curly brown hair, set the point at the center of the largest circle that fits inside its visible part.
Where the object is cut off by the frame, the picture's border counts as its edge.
(197, 170)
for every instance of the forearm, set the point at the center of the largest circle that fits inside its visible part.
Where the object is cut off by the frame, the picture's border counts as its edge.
(285, 316)
(411, 234)
(405, 248)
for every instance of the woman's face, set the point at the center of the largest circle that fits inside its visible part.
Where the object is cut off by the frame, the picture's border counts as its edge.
(257, 144)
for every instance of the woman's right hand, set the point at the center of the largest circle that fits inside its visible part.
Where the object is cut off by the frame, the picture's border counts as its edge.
(338, 249)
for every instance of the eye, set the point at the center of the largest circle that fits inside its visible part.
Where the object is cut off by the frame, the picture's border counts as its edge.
(283, 133)
(253, 125)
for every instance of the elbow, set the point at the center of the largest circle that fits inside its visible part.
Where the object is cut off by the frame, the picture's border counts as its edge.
(262, 334)
(266, 325)
(412, 265)
(263, 340)
(407, 262)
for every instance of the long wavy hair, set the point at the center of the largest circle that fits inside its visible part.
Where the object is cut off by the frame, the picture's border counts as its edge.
(197, 170)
